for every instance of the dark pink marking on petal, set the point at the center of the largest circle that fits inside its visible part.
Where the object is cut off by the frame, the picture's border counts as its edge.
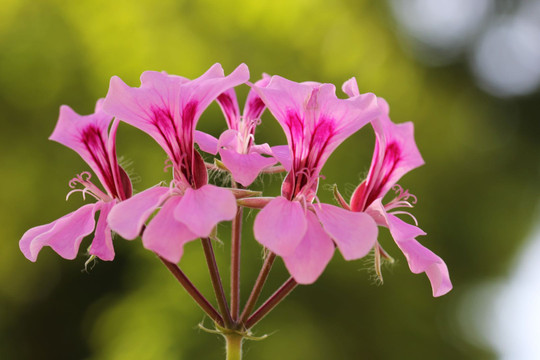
(188, 117)
(390, 163)
(163, 121)
(254, 108)
(95, 144)
(230, 109)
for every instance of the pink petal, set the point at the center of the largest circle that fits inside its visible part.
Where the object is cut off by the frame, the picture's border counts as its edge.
(63, 235)
(229, 105)
(205, 89)
(355, 233)
(102, 245)
(314, 120)
(168, 107)
(311, 256)
(128, 217)
(138, 106)
(229, 139)
(420, 259)
(165, 235)
(395, 155)
(283, 154)
(245, 167)
(206, 142)
(87, 135)
(254, 105)
(350, 87)
(201, 209)
(123, 187)
(281, 225)
(263, 149)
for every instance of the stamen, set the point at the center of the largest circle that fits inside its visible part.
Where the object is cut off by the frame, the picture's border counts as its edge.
(88, 187)
(405, 213)
(168, 165)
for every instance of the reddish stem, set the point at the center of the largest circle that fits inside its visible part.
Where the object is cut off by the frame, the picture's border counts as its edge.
(216, 282)
(257, 288)
(193, 291)
(271, 303)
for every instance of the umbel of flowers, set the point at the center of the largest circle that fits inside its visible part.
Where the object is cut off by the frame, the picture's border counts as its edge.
(294, 224)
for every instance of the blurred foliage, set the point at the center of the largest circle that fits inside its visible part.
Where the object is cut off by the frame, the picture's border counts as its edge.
(476, 193)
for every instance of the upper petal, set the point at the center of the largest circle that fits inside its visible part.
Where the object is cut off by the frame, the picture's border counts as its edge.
(355, 233)
(165, 235)
(64, 235)
(87, 135)
(128, 217)
(245, 168)
(281, 225)
(168, 107)
(312, 254)
(314, 120)
(254, 106)
(395, 155)
(350, 87)
(201, 209)
(229, 105)
(420, 258)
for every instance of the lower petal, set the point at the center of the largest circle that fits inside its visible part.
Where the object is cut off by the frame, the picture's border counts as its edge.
(201, 209)
(355, 233)
(128, 217)
(420, 258)
(245, 168)
(102, 245)
(165, 235)
(280, 226)
(311, 256)
(64, 235)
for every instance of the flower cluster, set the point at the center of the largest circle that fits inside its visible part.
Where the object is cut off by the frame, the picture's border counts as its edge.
(294, 225)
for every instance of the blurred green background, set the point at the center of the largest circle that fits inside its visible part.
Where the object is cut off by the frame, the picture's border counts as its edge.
(478, 192)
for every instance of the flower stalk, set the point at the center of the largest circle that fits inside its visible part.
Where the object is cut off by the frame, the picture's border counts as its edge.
(216, 282)
(236, 241)
(257, 288)
(193, 291)
(272, 302)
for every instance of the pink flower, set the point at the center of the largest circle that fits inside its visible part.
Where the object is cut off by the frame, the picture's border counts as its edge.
(396, 154)
(315, 122)
(88, 136)
(238, 151)
(168, 107)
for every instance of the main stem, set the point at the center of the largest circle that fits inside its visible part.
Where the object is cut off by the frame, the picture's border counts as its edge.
(234, 346)
(235, 263)
(193, 291)
(216, 282)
